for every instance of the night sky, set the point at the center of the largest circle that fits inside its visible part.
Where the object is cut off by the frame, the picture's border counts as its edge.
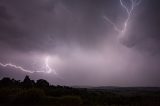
(82, 47)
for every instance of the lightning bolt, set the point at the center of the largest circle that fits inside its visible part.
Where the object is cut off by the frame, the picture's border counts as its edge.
(129, 10)
(48, 68)
(16, 67)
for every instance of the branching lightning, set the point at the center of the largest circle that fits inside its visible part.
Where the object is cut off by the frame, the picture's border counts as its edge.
(47, 67)
(129, 10)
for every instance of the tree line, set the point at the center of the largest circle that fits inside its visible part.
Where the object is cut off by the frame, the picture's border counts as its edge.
(41, 93)
(26, 83)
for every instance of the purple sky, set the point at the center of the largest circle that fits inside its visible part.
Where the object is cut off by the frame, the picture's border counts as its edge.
(83, 48)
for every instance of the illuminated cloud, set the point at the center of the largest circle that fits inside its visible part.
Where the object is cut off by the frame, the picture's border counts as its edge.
(80, 39)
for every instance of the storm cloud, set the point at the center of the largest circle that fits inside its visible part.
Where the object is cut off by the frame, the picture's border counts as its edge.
(88, 50)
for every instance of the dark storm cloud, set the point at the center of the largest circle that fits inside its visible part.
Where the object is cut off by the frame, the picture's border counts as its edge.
(86, 45)
(3, 13)
(27, 24)
(43, 22)
(21, 31)
(145, 28)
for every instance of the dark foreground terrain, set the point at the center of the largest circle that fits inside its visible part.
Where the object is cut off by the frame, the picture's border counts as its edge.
(40, 93)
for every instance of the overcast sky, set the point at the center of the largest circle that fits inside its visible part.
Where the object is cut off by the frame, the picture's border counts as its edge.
(84, 48)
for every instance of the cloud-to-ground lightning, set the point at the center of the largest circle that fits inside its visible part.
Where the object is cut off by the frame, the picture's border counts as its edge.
(129, 10)
(47, 67)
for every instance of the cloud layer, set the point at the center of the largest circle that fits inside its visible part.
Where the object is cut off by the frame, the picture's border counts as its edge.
(88, 49)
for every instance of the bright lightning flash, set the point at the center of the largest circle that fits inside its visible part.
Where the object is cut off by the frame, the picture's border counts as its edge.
(47, 67)
(129, 10)
(16, 67)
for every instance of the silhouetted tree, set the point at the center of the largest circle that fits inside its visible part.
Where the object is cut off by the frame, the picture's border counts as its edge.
(27, 83)
(6, 81)
(16, 82)
(42, 83)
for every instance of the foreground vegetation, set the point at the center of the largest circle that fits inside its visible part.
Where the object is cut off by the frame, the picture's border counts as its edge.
(41, 93)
